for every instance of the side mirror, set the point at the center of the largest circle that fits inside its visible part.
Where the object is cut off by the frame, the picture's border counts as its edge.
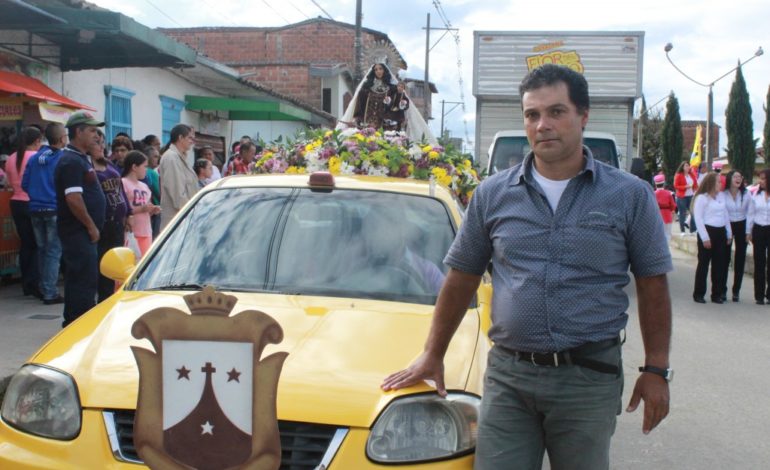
(118, 263)
(637, 167)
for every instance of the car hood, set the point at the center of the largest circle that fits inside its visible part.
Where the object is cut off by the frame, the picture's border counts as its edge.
(339, 352)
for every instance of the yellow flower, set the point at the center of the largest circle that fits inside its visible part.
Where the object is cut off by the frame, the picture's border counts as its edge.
(359, 137)
(427, 149)
(295, 170)
(328, 133)
(378, 134)
(317, 143)
(441, 176)
(334, 165)
(467, 163)
(309, 148)
(432, 155)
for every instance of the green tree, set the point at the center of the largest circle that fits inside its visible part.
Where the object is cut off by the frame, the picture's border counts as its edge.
(671, 139)
(741, 146)
(766, 133)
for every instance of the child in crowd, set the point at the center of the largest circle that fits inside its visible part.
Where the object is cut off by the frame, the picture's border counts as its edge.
(138, 193)
(666, 203)
(203, 169)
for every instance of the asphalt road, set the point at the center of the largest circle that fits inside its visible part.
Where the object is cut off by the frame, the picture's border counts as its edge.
(721, 355)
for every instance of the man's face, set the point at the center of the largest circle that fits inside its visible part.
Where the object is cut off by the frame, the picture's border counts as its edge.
(86, 137)
(248, 155)
(553, 124)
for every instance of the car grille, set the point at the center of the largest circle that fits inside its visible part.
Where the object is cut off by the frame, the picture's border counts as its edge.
(304, 446)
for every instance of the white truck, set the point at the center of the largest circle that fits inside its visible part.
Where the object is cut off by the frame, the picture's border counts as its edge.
(610, 60)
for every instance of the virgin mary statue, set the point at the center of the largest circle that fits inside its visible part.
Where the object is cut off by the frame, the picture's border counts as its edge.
(370, 106)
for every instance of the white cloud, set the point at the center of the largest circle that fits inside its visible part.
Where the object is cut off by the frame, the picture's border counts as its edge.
(708, 38)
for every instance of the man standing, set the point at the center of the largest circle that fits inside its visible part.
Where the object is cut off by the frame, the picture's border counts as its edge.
(241, 164)
(178, 183)
(80, 209)
(554, 376)
(38, 182)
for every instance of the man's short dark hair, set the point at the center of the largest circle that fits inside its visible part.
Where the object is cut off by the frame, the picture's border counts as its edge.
(246, 146)
(72, 132)
(53, 133)
(549, 75)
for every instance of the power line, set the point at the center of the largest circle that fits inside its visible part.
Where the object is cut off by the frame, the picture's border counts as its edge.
(220, 14)
(322, 9)
(300, 11)
(448, 24)
(164, 13)
(275, 11)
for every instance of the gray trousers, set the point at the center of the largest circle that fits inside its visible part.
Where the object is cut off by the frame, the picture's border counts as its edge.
(569, 411)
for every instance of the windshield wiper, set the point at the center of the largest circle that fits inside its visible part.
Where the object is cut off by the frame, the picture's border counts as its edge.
(180, 286)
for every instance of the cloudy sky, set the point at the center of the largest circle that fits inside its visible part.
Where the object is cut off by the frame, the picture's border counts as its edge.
(709, 37)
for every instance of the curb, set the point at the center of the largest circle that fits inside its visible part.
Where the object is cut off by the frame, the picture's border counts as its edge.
(689, 245)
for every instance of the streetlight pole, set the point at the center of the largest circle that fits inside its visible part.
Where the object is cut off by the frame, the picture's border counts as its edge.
(456, 104)
(710, 86)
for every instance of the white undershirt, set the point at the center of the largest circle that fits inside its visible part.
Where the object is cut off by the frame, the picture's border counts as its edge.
(553, 189)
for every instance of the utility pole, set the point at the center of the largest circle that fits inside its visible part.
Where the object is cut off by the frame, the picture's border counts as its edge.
(426, 86)
(358, 73)
(456, 104)
(428, 48)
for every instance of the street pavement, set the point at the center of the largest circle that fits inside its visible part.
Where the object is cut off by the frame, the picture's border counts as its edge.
(721, 356)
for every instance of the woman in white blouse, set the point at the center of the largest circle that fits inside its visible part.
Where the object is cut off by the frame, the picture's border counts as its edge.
(738, 201)
(759, 221)
(714, 234)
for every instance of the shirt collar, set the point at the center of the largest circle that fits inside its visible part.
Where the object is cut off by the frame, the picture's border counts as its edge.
(524, 173)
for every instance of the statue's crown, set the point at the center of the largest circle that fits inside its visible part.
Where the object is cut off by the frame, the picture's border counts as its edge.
(210, 302)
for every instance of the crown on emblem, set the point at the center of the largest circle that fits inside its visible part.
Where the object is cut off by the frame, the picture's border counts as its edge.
(210, 302)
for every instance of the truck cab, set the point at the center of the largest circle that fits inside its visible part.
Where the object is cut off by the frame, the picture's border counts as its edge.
(509, 148)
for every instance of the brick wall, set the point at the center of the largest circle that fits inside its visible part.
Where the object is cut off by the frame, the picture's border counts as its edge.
(279, 59)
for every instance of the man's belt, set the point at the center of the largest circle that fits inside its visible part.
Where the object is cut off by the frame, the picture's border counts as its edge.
(575, 356)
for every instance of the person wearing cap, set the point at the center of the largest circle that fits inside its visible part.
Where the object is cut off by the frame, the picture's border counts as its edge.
(81, 209)
(666, 203)
(717, 167)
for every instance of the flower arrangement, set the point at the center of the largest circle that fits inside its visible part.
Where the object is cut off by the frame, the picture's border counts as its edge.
(369, 152)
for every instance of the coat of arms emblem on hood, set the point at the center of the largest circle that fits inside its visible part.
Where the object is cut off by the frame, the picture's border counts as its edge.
(207, 398)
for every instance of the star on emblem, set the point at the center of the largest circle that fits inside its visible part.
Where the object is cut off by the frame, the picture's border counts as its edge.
(184, 373)
(207, 428)
(233, 375)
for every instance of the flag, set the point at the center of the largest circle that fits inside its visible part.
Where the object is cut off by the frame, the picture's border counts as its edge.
(695, 156)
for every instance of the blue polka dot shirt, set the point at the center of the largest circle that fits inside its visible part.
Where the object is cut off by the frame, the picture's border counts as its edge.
(558, 276)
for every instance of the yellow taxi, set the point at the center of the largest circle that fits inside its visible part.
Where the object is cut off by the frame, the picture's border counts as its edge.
(349, 267)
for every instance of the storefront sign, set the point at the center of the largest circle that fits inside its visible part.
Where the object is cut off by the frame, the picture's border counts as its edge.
(53, 113)
(11, 109)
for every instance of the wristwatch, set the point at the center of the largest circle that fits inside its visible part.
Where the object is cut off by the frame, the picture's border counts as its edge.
(667, 374)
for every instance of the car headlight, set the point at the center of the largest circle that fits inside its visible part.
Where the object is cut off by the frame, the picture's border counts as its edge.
(424, 427)
(43, 401)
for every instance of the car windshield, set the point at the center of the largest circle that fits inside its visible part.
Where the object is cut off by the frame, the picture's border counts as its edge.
(343, 243)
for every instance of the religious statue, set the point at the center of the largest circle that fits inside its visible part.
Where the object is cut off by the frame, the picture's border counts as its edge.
(381, 102)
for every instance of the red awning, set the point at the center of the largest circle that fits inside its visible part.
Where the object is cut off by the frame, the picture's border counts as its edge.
(11, 82)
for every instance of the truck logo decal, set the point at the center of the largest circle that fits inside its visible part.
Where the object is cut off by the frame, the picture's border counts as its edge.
(569, 59)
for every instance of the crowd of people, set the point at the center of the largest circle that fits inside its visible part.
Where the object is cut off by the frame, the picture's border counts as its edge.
(72, 200)
(723, 212)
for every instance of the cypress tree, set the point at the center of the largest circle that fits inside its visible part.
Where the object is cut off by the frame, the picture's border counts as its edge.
(671, 139)
(766, 133)
(741, 150)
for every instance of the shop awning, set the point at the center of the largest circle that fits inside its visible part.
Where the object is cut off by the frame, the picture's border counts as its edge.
(242, 109)
(17, 83)
(78, 38)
